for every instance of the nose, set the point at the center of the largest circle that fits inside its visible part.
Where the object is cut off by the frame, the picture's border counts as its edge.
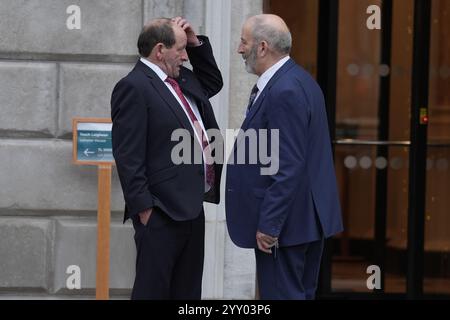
(240, 49)
(184, 55)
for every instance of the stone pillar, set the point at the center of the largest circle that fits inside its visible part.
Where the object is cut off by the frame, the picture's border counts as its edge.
(239, 274)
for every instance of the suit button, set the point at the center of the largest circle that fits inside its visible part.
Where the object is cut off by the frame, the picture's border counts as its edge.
(229, 190)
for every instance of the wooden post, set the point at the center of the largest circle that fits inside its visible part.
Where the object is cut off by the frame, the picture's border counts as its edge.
(103, 231)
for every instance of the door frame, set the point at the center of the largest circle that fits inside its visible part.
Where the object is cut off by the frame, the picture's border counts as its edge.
(327, 53)
(327, 76)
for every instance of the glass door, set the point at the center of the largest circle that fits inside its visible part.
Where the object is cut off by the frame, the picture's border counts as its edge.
(391, 132)
(372, 140)
(437, 203)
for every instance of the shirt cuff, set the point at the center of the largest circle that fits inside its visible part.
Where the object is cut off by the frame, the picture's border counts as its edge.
(200, 43)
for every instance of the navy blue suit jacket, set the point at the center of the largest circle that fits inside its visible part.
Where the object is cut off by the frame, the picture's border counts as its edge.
(299, 203)
(145, 114)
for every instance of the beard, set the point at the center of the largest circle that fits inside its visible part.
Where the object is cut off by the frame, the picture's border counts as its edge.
(250, 60)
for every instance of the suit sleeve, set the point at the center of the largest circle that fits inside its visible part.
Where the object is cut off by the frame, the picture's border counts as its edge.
(129, 140)
(205, 67)
(287, 112)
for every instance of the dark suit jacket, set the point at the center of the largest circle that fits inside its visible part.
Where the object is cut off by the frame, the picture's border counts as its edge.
(298, 204)
(144, 114)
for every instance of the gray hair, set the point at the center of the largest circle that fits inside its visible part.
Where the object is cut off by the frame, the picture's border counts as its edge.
(278, 40)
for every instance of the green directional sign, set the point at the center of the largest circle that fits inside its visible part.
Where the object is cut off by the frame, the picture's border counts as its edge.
(93, 142)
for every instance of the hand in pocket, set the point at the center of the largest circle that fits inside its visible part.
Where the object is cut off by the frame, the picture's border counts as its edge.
(144, 216)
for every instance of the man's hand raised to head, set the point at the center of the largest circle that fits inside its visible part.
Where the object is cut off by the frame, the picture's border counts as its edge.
(192, 40)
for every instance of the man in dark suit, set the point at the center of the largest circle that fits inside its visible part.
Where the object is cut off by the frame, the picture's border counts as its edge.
(164, 198)
(286, 214)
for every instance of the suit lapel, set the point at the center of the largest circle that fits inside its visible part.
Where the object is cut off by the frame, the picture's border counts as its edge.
(193, 93)
(191, 90)
(255, 108)
(167, 96)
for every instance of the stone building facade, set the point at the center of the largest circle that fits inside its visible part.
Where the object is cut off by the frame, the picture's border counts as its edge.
(50, 74)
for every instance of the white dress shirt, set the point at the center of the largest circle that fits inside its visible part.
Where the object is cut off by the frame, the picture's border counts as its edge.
(163, 76)
(268, 74)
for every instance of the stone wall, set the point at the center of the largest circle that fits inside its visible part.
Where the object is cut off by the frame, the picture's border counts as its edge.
(50, 74)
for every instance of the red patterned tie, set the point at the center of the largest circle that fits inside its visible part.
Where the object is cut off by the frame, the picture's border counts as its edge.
(210, 174)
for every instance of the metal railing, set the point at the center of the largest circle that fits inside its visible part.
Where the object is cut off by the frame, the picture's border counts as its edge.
(404, 143)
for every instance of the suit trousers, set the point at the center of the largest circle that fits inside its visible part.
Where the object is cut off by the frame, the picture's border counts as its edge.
(290, 273)
(169, 260)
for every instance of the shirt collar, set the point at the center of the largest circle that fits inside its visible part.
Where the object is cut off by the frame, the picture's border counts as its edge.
(268, 74)
(155, 68)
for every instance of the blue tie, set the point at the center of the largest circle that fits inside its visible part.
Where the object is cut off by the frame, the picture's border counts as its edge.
(252, 98)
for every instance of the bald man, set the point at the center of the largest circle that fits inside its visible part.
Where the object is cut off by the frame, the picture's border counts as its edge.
(285, 215)
(164, 198)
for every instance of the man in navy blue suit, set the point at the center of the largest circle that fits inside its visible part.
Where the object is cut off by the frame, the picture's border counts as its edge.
(163, 199)
(286, 214)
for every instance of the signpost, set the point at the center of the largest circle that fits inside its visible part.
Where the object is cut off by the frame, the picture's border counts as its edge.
(92, 145)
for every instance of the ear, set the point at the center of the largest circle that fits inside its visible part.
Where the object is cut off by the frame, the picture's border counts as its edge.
(263, 48)
(159, 50)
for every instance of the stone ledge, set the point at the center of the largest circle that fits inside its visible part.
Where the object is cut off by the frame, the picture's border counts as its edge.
(28, 103)
(107, 27)
(76, 244)
(49, 181)
(25, 251)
